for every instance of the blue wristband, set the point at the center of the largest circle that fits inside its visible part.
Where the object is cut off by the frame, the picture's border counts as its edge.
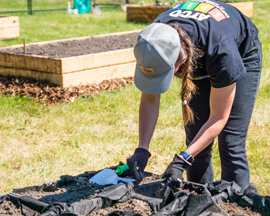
(189, 158)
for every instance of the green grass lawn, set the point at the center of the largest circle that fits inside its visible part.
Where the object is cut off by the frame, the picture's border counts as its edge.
(39, 143)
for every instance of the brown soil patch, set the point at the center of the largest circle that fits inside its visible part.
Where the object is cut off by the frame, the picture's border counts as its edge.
(149, 179)
(233, 209)
(133, 206)
(77, 47)
(51, 94)
(8, 208)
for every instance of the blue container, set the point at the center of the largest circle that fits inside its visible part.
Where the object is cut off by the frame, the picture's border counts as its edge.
(83, 6)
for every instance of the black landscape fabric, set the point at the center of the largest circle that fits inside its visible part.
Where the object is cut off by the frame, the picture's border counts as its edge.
(192, 200)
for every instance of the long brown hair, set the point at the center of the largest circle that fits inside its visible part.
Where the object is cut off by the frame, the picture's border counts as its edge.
(186, 62)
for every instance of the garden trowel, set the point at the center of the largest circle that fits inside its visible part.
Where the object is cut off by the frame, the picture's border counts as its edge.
(104, 178)
(108, 177)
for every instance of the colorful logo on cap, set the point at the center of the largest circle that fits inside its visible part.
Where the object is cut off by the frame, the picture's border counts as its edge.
(213, 11)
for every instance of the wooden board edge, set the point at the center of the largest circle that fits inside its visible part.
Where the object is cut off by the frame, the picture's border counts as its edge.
(29, 62)
(148, 6)
(9, 33)
(75, 78)
(9, 21)
(38, 75)
(99, 74)
(97, 60)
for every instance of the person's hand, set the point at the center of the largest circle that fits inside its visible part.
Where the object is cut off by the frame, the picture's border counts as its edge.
(138, 160)
(173, 175)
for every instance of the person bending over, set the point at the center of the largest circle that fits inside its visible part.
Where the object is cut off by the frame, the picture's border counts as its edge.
(215, 50)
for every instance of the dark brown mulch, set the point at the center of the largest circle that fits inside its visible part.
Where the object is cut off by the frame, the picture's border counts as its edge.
(52, 94)
(77, 47)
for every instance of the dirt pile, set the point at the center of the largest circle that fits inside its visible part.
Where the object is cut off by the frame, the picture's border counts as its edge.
(8, 208)
(51, 94)
(232, 209)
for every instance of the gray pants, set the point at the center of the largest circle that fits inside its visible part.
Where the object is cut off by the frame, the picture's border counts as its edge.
(232, 139)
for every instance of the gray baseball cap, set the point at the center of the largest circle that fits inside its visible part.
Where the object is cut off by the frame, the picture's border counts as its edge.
(156, 52)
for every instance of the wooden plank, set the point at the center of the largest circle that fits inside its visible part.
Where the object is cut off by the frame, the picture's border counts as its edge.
(139, 10)
(245, 7)
(140, 18)
(141, 14)
(97, 60)
(83, 77)
(150, 16)
(30, 62)
(9, 32)
(9, 27)
(66, 65)
(50, 77)
(148, 5)
(11, 21)
(99, 74)
(145, 13)
(147, 9)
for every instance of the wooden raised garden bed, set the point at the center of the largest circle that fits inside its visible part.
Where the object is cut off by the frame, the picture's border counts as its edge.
(74, 61)
(147, 13)
(9, 27)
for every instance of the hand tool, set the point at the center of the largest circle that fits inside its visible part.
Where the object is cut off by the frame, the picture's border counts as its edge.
(108, 176)
(120, 169)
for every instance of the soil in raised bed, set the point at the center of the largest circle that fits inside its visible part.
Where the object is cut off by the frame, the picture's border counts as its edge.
(77, 47)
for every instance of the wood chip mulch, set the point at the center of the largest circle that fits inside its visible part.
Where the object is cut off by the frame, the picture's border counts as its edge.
(51, 94)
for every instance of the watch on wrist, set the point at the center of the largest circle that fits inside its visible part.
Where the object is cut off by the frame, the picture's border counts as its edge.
(187, 157)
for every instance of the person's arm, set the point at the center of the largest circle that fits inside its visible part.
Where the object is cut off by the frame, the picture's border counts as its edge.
(148, 115)
(221, 101)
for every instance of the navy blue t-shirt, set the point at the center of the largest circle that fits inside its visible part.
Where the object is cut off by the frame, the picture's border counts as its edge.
(221, 31)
